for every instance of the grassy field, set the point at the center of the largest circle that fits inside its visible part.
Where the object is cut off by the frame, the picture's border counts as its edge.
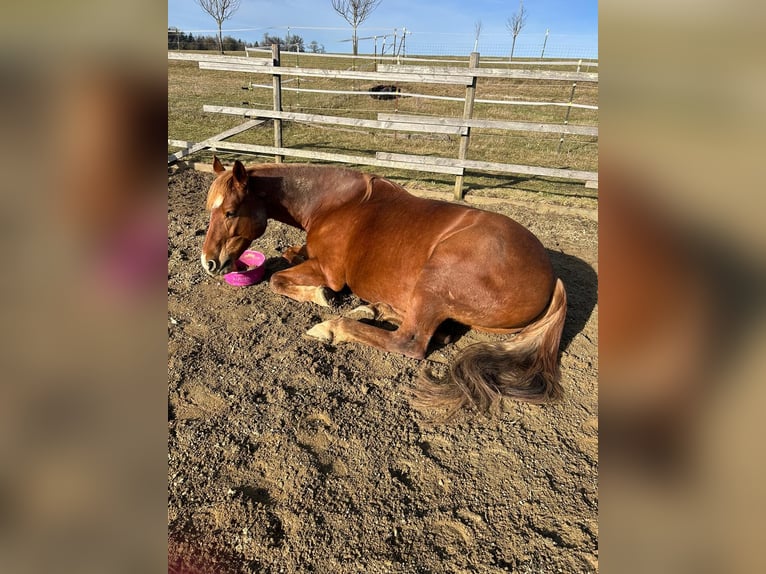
(189, 88)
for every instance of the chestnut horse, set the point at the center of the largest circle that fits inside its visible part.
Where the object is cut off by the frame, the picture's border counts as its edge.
(416, 262)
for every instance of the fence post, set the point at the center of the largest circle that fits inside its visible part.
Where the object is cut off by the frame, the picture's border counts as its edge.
(470, 94)
(277, 79)
(569, 108)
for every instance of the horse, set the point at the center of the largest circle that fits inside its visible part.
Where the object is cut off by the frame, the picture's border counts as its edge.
(415, 262)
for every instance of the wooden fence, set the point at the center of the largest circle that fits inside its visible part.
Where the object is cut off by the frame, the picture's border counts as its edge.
(391, 73)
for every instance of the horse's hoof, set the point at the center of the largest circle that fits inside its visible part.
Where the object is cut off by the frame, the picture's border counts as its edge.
(362, 312)
(321, 332)
(442, 338)
(323, 297)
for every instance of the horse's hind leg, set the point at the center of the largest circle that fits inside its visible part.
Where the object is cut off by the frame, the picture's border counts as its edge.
(410, 339)
(383, 313)
(343, 329)
(303, 282)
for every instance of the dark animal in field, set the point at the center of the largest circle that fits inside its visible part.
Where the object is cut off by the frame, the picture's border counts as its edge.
(416, 262)
(385, 92)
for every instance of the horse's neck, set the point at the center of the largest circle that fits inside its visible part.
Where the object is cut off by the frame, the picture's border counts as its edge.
(303, 194)
(280, 210)
(290, 206)
(284, 200)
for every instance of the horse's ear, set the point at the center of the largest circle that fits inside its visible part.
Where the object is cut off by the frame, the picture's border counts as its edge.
(240, 173)
(218, 166)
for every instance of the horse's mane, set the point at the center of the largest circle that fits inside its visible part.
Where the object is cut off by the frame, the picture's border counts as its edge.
(371, 179)
(368, 192)
(221, 187)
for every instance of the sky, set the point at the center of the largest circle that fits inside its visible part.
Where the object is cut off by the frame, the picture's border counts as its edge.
(435, 26)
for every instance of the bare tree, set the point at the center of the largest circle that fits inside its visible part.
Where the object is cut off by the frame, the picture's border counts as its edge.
(515, 24)
(476, 33)
(220, 10)
(355, 12)
(316, 48)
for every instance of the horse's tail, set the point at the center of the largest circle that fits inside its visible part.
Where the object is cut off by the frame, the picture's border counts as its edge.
(525, 368)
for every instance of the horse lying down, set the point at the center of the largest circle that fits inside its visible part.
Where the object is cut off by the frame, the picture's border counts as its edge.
(416, 262)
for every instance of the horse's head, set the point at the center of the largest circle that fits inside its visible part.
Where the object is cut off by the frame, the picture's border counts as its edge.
(237, 217)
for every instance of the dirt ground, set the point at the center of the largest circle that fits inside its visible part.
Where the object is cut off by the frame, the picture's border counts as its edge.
(290, 455)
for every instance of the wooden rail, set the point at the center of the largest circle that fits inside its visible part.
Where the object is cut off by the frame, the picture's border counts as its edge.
(441, 61)
(402, 126)
(453, 79)
(506, 74)
(491, 124)
(490, 166)
(337, 157)
(195, 57)
(191, 148)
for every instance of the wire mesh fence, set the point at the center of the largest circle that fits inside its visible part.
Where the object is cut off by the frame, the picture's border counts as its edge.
(403, 42)
(526, 47)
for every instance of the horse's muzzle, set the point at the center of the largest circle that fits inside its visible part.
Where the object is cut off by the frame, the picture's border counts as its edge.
(212, 267)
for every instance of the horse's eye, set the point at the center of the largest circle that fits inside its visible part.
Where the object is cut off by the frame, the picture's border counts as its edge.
(229, 214)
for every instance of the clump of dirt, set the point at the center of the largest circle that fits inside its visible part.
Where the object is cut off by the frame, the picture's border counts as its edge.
(289, 455)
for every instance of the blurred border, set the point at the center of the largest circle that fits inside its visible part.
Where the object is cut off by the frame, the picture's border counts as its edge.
(82, 425)
(83, 233)
(681, 286)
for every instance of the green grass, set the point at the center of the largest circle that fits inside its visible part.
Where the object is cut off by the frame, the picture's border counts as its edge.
(189, 88)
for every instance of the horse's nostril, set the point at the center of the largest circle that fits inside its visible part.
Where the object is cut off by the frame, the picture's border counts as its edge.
(211, 265)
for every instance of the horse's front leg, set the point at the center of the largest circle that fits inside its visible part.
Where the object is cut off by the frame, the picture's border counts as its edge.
(380, 312)
(303, 282)
(296, 254)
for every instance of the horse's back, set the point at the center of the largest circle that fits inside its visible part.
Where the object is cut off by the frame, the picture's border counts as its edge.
(487, 269)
